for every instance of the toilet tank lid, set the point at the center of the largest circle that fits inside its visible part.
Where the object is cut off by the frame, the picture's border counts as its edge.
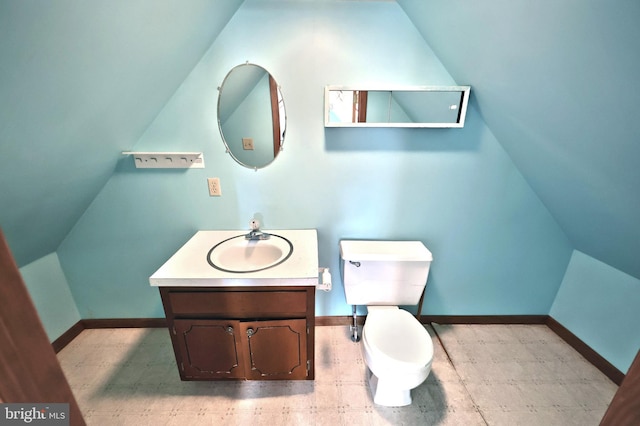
(369, 250)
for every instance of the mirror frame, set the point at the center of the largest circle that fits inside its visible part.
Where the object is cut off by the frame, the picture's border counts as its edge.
(278, 112)
(462, 107)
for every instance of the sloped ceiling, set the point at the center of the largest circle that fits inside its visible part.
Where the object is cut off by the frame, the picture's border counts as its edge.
(80, 81)
(558, 83)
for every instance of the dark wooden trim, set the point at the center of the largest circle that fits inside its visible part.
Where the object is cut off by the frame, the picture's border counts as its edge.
(67, 336)
(625, 406)
(275, 114)
(445, 319)
(77, 328)
(29, 367)
(338, 320)
(125, 323)
(574, 341)
(320, 321)
(582, 348)
(362, 105)
(585, 350)
(73, 332)
(484, 319)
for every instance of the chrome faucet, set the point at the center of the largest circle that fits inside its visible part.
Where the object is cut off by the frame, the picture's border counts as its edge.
(256, 233)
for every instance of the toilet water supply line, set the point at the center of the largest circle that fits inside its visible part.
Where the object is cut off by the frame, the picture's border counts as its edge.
(325, 279)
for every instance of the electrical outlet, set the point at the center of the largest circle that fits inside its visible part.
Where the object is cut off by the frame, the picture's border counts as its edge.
(214, 187)
(247, 143)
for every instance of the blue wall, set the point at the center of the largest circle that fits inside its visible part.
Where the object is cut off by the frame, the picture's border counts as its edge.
(599, 304)
(497, 250)
(561, 101)
(80, 81)
(50, 293)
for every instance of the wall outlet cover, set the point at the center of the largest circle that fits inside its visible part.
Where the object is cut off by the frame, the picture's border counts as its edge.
(247, 143)
(214, 187)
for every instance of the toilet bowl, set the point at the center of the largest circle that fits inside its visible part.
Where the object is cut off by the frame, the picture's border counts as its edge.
(397, 349)
(398, 352)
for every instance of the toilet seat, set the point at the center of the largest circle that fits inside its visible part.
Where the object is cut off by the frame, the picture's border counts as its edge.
(396, 338)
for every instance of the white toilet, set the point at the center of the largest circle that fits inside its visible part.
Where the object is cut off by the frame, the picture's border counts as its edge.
(397, 349)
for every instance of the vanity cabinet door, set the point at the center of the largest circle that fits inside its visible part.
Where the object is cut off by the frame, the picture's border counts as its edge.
(275, 350)
(209, 349)
(254, 333)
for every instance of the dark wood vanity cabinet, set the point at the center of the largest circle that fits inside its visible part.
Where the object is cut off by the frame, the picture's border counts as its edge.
(254, 333)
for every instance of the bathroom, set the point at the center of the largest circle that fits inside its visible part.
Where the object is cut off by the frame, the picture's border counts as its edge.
(528, 210)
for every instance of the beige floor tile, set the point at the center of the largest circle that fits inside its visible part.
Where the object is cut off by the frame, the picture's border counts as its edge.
(481, 374)
(497, 396)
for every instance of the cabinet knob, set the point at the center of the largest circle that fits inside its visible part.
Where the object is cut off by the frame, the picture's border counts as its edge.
(250, 332)
(230, 330)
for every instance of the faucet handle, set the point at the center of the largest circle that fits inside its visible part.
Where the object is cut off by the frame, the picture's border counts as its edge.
(254, 224)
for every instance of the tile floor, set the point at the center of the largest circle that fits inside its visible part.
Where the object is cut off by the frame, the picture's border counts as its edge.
(488, 375)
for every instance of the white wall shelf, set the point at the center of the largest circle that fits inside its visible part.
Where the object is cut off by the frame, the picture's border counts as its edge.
(167, 160)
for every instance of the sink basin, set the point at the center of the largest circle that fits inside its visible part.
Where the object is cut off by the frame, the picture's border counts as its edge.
(191, 264)
(239, 255)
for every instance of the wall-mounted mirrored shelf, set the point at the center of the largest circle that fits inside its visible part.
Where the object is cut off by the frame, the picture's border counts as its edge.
(409, 106)
(167, 160)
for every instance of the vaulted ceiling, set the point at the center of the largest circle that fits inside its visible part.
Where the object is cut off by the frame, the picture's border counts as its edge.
(80, 81)
(556, 82)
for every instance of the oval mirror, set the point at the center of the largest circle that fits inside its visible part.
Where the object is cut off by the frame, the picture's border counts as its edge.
(251, 115)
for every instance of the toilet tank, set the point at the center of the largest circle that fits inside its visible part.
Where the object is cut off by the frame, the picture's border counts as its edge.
(384, 272)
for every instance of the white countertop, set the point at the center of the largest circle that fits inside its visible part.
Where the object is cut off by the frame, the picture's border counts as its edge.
(188, 267)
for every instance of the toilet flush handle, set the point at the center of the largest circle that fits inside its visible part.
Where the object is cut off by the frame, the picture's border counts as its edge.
(356, 264)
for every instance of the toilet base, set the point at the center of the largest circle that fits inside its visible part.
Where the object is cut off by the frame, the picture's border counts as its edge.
(387, 396)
